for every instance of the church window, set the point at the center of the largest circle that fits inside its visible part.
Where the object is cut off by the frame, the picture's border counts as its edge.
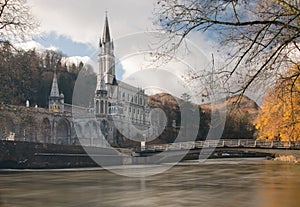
(97, 107)
(101, 107)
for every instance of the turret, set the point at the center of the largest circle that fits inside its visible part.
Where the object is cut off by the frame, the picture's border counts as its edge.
(56, 100)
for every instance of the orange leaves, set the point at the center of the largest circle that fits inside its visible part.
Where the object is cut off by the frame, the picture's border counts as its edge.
(279, 117)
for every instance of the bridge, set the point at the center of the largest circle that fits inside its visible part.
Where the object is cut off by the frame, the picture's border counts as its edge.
(228, 148)
(226, 143)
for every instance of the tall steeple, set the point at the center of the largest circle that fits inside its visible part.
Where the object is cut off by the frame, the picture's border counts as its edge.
(106, 34)
(106, 79)
(106, 58)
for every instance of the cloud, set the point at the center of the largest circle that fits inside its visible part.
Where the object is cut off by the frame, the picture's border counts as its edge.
(68, 60)
(82, 21)
(137, 55)
(30, 45)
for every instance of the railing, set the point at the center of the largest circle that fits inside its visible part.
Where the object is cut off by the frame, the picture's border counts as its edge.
(228, 143)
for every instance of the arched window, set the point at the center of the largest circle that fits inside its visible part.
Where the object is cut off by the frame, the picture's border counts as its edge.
(101, 107)
(97, 107)
(135, 99)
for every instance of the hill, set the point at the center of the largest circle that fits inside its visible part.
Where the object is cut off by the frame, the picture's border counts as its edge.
(240, 114)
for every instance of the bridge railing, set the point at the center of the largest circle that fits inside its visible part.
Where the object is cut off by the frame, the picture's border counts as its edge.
(230, 143)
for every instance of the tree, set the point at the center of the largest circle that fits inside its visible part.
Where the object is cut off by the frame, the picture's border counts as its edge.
(279, 117)
(16, 21)
(261, 35)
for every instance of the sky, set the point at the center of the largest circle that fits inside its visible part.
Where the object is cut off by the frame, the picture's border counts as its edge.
(74, 27)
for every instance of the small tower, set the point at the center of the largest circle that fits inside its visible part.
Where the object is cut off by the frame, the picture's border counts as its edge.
(56, 100)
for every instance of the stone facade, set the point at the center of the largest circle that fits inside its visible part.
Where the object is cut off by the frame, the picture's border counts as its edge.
(36, 125)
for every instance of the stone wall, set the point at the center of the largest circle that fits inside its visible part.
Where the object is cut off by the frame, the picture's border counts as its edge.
(31, 124)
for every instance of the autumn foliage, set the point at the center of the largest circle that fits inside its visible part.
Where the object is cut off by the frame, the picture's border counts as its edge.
(279, 118)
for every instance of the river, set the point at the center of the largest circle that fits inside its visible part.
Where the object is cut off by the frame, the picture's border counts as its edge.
(215, 183)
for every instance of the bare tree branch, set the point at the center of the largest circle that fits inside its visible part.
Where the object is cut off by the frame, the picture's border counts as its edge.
(262, 34)
(16, 21)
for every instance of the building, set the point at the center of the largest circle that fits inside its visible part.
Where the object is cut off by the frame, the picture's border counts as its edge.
(120, 109)
(115, 102)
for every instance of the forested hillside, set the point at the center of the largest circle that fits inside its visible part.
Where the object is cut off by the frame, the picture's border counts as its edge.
(241, 113)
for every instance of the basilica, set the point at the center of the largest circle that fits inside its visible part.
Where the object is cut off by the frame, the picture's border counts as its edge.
(120, 109)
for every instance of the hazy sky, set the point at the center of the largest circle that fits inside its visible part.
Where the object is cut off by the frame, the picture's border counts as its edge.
(82, 21)
(74, 27)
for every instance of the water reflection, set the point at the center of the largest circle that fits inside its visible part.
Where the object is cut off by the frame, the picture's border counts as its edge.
(216, 183)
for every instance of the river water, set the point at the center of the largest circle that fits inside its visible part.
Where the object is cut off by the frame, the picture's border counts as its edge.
(252, 182)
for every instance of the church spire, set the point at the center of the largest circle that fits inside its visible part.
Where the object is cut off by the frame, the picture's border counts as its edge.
(54, 89)
(106, 34)
(56, 101)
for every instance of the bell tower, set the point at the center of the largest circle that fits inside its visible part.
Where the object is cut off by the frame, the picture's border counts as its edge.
(106, 78)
